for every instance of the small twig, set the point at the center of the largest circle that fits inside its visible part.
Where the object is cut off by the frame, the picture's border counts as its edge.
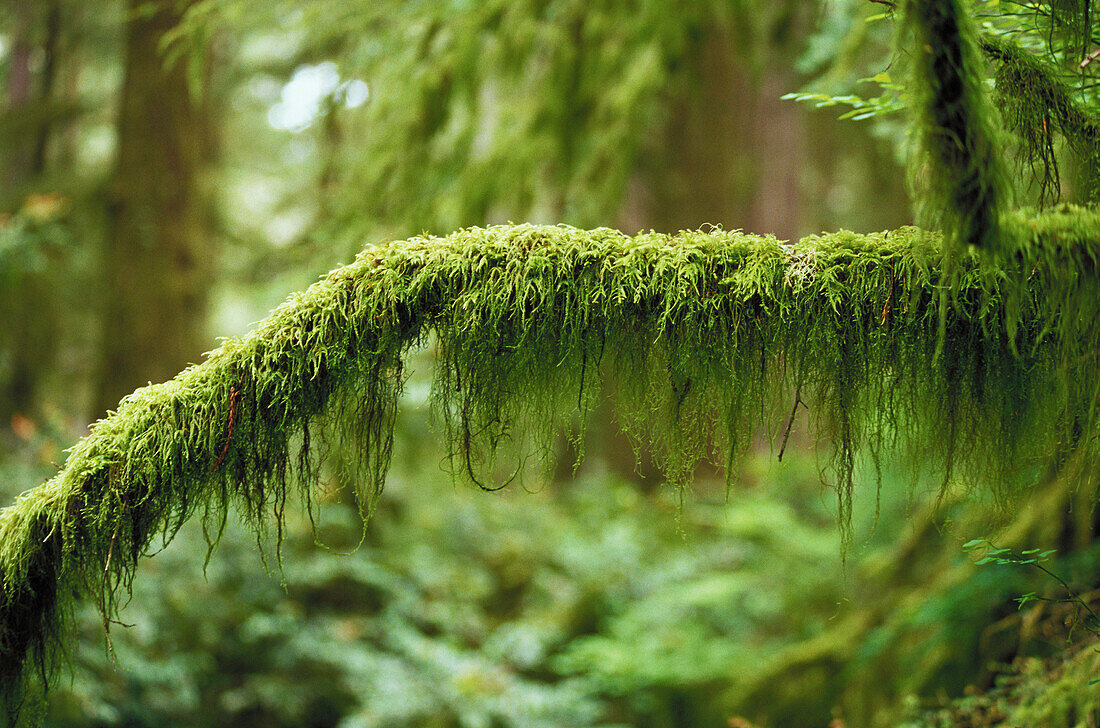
(1075, 598)
(111, 549)
(1090, 58)
(790, 421)
(887, 3)
(234, 393)
(886, 306)
(105, 606)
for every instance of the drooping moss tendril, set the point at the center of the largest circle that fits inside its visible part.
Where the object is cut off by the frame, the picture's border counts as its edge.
(1036, 104)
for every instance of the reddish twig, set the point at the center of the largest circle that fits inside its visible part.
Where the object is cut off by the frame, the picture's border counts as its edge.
(234, 394)
(790, 421)
(886, 306)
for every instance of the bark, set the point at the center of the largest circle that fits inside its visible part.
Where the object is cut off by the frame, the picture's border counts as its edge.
(158, 259)
(28, 301)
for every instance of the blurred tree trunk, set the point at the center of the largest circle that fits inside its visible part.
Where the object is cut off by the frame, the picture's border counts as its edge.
(705, 165)
(158, 255)
(21, 92)
(733, 151)
(28, 299)
(700, 171)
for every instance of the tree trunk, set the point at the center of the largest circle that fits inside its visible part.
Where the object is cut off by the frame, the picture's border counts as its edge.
(28, 298)
(157, 265)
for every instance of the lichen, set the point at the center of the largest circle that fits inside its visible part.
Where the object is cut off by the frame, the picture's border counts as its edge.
(710, 337)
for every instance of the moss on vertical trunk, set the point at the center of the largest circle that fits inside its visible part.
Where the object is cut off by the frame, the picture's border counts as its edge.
(964, 184)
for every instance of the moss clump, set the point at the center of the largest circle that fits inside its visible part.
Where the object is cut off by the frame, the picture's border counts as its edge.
(1060, 691)
(712, 334)
(1067, 694)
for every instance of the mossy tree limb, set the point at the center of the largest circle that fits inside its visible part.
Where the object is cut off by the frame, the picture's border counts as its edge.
(711, 333)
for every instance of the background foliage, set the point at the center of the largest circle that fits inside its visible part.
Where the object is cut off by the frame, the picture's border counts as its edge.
(601, 598)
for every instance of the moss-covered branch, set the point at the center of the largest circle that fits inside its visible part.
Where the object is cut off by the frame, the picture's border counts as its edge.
(710, 335)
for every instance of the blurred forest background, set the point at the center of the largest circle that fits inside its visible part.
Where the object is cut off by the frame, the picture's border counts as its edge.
(173, 168)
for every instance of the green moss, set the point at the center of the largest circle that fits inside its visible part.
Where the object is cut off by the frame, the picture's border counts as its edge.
(963, 184)
(1067, 695)
(712, 335)
(1035, 104)
(1060, 691)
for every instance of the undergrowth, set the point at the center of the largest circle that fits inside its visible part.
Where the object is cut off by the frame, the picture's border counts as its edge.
(712, 335)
